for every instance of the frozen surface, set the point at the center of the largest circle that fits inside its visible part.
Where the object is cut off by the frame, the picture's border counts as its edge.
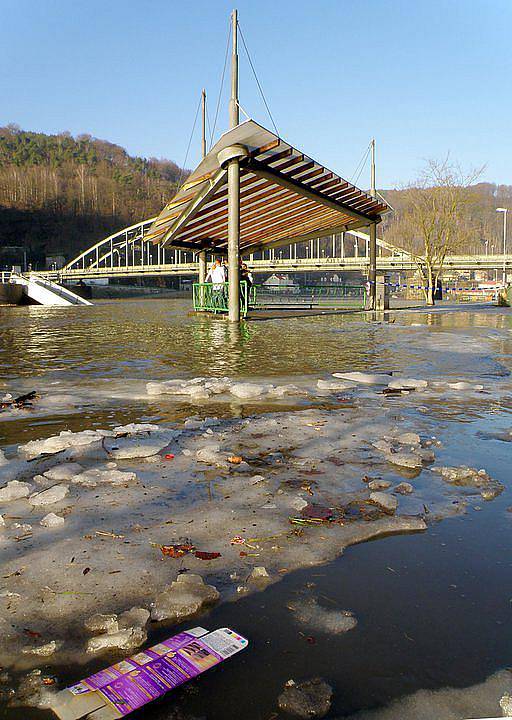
(145, 436)
(477, 701)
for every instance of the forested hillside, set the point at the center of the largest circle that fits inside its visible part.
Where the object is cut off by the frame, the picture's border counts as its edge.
(59, 194)
(481, 226)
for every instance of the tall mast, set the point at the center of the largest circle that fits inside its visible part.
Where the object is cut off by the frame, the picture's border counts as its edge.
(371, 301)
(373, 189)
(234, 111)
(203, 125)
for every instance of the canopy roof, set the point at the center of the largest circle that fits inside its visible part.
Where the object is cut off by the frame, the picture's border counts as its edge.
(285, 197)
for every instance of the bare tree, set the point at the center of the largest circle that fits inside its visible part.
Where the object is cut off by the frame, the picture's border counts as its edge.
(436, 220)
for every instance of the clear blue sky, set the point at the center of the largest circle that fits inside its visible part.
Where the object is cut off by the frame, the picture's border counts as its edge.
(424, 77)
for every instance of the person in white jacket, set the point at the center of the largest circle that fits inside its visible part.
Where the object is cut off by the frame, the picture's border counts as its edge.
(217, 273)
(217, 276)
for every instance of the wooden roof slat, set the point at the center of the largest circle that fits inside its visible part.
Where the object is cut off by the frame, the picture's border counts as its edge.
(274, 178)
(210, 219)
(290, 228)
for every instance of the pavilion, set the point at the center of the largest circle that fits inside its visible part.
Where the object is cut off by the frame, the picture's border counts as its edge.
(253, 191)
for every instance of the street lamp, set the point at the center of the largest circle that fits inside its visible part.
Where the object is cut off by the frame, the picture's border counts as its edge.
(504, 211)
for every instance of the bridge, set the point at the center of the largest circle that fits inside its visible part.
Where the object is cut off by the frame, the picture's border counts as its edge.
(128, 253)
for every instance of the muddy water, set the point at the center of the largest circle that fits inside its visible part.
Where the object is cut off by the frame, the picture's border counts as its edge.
(433, 609)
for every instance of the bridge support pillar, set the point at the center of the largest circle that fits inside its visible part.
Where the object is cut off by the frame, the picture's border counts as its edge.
(372, 268)
(382, 294)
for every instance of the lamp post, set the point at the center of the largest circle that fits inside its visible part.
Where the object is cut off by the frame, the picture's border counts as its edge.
(504, 211)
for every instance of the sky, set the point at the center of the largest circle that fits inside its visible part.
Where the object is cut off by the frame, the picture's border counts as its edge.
(425, 78)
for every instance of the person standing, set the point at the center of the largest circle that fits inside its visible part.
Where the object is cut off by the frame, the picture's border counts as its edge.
(217, 276)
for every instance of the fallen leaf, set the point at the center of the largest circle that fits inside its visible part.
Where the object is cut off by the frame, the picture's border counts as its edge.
(32, 633)
(207, 555)
(176, 551)
(86, 570)
(235, 459)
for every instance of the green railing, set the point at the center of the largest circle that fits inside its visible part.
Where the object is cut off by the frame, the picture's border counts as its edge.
(349, 296)
(213, 297)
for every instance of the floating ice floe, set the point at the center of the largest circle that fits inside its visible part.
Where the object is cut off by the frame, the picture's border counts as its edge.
(198, 389)
(334, 385)
(134, 617)
(248, 391)
(404, 488)
(471, 477)
(365, 378)
(183, 598)
(100, 623)
(99, 476)
(124, 448)
(65, 440)
(386, 502)
(45, 650)
(178, 387)
(379, 484)
(405, 459)
(211, 455)
(407, 384)
(65, 471)
(317, 617)
(48, 497)
(136, 428)
(309, 699)
(52, 520)
(128, 639)
(475, 701)
(465, 386)
(259, 575)
(408, 438)
(15, 490)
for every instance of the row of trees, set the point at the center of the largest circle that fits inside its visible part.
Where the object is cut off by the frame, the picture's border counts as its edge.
(88, 183)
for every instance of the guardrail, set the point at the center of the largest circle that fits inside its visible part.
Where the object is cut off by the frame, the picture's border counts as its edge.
(213, 297)
(350, 296)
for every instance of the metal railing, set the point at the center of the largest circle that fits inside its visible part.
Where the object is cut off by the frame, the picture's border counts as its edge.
(213, 297)
(128, 253)
(333, 295)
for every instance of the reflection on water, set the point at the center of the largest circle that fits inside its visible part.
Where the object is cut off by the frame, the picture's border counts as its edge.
(158, 337)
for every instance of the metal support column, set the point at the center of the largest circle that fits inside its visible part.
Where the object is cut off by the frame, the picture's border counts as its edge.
(234, 240)
(372, 265)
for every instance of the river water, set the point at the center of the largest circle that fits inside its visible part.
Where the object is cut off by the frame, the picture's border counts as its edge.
(433, 609)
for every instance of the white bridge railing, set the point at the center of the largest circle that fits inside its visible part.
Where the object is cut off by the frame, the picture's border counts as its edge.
(127, 252)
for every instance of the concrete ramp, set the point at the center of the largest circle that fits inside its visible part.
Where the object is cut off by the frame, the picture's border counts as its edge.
(46, 292)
